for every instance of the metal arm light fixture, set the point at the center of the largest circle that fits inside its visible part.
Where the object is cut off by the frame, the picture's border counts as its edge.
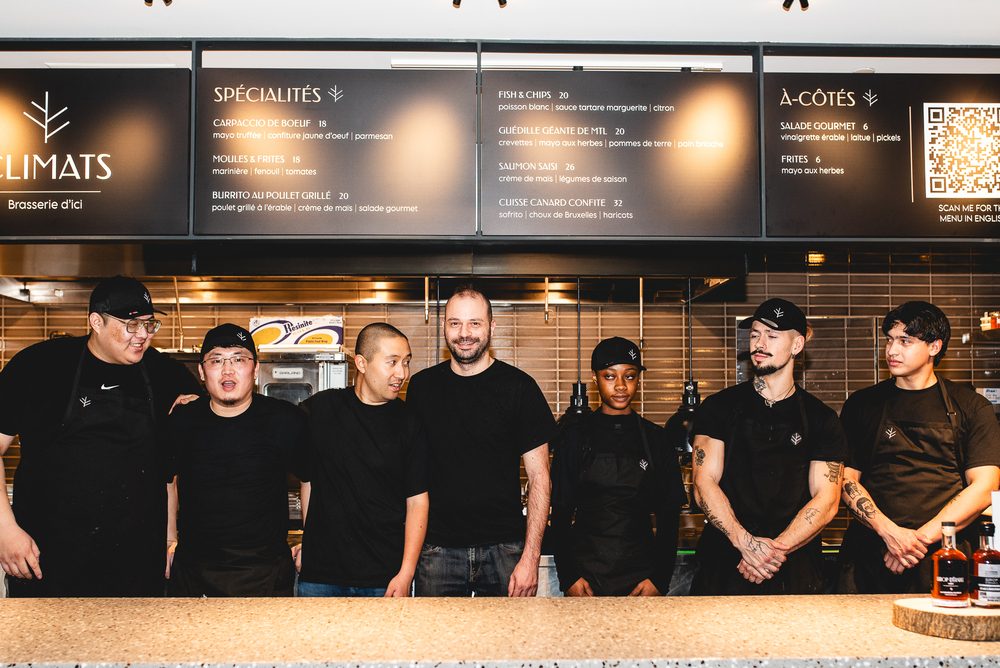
(458, 3)
(787, 4)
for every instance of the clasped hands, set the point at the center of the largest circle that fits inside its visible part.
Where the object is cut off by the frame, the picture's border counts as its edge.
(762, 557)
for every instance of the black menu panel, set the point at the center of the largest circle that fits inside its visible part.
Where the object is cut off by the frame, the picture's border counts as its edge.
(335, 152)
(620, 154)
(869, 155)
(94, 152)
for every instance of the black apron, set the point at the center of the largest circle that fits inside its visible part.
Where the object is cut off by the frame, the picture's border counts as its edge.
(231, 572)
(93, 498)
(917, 457)
(612, 537)
(766, 479)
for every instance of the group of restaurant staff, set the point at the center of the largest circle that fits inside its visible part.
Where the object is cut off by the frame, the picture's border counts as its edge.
(119, 451)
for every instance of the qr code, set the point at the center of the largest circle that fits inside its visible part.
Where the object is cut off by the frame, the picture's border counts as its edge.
(962, 149)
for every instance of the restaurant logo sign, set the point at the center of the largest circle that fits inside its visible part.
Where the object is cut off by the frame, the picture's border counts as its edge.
(87, 152)
(33, 166)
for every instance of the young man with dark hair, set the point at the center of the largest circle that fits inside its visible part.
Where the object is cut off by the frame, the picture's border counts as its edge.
(90, 503)
(768, 460)
(228, 459)
(366, 514)
(924, 450)
(482, 416)
(611, 471)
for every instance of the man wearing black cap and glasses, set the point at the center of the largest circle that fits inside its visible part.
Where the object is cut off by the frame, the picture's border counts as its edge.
(227, 463)
(90, 514)
(768, 467)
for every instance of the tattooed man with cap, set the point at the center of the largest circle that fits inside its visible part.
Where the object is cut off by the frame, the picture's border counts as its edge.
(768, 465)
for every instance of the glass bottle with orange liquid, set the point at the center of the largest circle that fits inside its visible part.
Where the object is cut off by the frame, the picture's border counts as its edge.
(951, 572)
(986, 570)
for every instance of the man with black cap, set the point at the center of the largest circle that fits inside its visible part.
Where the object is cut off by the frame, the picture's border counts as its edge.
(90, 513)
(768, 466)
(227, 463)
(611, 470)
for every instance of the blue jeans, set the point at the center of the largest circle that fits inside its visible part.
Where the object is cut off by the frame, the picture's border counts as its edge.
(466, 571)
(317, 589)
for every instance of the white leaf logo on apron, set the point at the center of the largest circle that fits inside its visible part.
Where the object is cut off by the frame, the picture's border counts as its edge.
(796, 439)
(85, 401)
(643, 464)
(890, 432)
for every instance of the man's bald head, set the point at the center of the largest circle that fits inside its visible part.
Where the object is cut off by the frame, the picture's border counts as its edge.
(370, 338)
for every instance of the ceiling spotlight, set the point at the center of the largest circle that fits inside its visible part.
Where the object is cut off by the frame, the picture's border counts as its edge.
(787, 4)
(166, 3)
(503, 3)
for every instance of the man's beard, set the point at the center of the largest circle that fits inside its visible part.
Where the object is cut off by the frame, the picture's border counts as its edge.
(766, 369)
(469, 356)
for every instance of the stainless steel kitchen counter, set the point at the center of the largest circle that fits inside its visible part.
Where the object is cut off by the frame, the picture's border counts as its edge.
(672, 631)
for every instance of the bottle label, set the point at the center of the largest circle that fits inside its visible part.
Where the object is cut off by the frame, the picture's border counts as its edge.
(986, 581)
(952, 586)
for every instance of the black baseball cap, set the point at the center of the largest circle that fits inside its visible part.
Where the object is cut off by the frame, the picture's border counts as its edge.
(615, 350)
(779, 314)
(228, 336)
(122, 297)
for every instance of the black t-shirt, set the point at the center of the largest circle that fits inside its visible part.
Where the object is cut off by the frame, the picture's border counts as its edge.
(615, 434)
(822, 440)
(37, 381)
(364, 461)
(978, 443)
(231, 483)
(477, 429)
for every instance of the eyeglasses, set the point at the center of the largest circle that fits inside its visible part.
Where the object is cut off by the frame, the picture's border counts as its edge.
(132, 326)
(219, 363)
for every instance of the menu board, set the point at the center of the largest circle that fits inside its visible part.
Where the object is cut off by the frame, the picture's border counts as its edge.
(94, 152)
(620, 154)
(335, 152)
(869, 155)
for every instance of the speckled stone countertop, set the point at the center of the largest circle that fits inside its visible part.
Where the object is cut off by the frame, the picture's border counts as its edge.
(507, 633)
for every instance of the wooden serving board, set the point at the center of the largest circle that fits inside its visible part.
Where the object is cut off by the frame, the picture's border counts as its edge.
(921, 616)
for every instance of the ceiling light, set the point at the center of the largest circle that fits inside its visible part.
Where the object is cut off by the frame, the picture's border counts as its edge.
(787, 4)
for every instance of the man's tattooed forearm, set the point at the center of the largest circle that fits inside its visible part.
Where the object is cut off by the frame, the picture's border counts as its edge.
(810, 514)
(833, 471)
(866, 510)
(710, 516)
(699, 456)
(853, 489)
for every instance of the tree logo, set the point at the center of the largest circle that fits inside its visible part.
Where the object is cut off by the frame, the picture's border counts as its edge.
(47, 120)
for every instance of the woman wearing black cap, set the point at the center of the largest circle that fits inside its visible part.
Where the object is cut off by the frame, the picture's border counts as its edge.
(610, 472)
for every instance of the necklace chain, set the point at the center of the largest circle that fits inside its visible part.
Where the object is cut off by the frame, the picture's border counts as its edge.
(760, 386)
